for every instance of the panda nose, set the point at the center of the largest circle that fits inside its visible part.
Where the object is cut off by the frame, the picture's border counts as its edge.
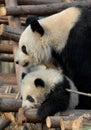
(17, 62)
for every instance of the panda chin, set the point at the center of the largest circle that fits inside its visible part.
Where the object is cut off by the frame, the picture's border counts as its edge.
(27, 105)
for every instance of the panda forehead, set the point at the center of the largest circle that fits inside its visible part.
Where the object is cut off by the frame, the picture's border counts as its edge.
(25, 36)
(29, 39)
(28, 87)
(50, 77)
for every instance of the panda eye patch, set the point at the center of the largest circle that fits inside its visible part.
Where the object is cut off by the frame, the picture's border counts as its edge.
(29, 98)
(39, 82)
(24, 50)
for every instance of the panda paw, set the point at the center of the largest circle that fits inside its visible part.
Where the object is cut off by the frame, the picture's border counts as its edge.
(43, 112)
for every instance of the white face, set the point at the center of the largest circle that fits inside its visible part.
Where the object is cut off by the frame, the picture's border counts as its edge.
(34, 85)
(32, 95)
(34, 50)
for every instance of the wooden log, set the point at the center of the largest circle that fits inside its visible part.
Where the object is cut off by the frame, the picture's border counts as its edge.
(37, 2)
(32, 116)
(4, 20)
(82, 122)
(53, 121)
(6, 95)
(9, 32)
(76, 124)
(7, 79)
(3, 38)
(42, 10)
(6, 48)
(4, 123)
(9, 105)
(33, 2)
(70, 115)
(4, 87)
(14, 22)
(6, 59)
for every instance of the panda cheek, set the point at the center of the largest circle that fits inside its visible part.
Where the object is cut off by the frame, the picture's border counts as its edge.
(26, 104)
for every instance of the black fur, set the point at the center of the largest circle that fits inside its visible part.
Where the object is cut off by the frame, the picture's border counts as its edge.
(17, 62)
(29, 98)
(39, 82)
(75, 58)
(57, 100)
(26, 64)
(29, 19)
(35, 26)
(23, 75)
(23, 48)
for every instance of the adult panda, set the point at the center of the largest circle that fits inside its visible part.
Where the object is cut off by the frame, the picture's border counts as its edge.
(46, 90)
(65, 38)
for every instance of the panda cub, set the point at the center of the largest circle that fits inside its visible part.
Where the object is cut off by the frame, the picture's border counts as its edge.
(46, 90)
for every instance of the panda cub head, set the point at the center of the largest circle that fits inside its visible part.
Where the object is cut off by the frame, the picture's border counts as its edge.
(46, 90)
(43, 36)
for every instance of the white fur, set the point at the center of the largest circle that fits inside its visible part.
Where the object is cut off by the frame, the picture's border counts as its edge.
(74, 98)
(56, 27)
(38, 67)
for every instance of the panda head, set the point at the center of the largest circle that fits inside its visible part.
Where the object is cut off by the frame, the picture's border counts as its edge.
(45, 90)
(37, 85)
(32, 49)
(41, 37)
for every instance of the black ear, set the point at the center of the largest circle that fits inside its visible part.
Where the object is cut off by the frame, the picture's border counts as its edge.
(23, 75)
(35, 26)
(29, 19)
(39, 82)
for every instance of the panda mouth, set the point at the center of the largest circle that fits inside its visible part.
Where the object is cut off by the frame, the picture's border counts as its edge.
(26, 64)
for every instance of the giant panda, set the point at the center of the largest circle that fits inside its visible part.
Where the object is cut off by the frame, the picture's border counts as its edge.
(46, 90)
(63, 39)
